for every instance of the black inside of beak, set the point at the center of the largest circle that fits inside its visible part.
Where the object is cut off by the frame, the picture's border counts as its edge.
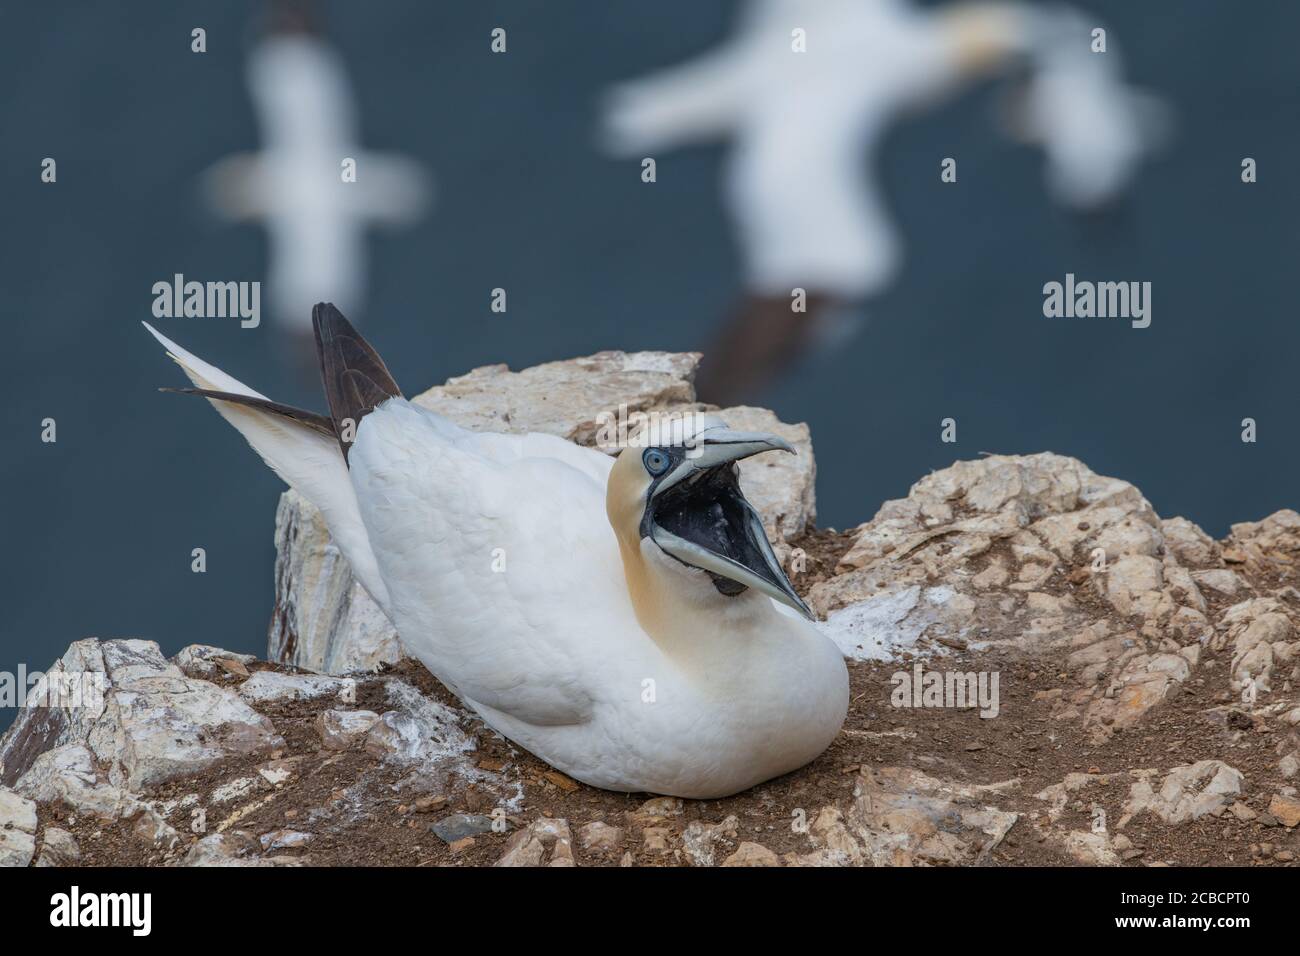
(709, 510)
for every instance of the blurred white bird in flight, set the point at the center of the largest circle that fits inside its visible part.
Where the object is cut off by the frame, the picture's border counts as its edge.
(803, 125)
(640, 635)
(315, 220)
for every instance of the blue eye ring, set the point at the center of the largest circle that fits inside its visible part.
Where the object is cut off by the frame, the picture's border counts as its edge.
(655, 461)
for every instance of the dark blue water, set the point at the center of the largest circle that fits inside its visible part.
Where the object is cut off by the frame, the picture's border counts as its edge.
(98, 528)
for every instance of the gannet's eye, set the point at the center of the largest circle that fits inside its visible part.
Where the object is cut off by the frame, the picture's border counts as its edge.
(655, 461)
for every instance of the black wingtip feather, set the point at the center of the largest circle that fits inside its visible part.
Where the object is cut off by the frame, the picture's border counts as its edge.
(317, 423)
(355, 378)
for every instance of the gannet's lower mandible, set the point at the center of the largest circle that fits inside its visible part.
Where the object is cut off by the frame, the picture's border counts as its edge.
(623, 619)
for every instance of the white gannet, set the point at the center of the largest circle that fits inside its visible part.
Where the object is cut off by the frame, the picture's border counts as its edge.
(803, 126)
(314, 219)
(623, 619)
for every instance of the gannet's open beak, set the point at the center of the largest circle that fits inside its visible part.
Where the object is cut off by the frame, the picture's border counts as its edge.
(697, 514)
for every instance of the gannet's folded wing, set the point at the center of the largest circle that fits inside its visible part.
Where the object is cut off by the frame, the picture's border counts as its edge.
(505, 449)
(503, 572)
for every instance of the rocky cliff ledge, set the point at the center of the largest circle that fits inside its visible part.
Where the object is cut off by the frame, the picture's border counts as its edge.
(1147, 708)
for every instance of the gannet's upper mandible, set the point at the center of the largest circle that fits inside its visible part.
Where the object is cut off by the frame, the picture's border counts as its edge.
(639, 634)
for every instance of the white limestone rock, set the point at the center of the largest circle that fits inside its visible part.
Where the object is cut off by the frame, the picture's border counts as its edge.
(271, 687)
(58, 848)
(341, 729)
(205, 662)
(1186, 793)
(147, 722)
(17, 829)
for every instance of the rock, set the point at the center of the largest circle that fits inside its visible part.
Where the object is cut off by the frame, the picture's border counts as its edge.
(457, 826)
(522, 849)
(204, 662)
(285, 840)
(442, 741)
(151, 828)
(902, 817)
(1256, 543)
(699, 838)
(565, 398)
(656, 839)
(879, 626)
(233, 790)
(38, 729)
(999, 547)
(68, 775)
(555, 835)
(324, 621)
(1186, 793)
(341, 729)
(420, 731)
(1221, 580)
(1144, 681)
(17, 829)
(1097, 846)
(276, 772)
(601, 837)
(1061, 795)
(149, 721)
(528, 847)
(234, 848)
(1134, 584)
(1091, 849)
(752, 854)
(1286, 810)
(1242, 812)
(1192, 546)
(657, 810)
(837, 846)
(395, 734)
(58, 848)
(271, 687)
(1289, 765)
(164, 728)
(1252, 653)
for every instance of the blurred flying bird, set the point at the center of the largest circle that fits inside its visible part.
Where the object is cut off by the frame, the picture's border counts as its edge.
(623, 619)
(805, 111)
(298, 185)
